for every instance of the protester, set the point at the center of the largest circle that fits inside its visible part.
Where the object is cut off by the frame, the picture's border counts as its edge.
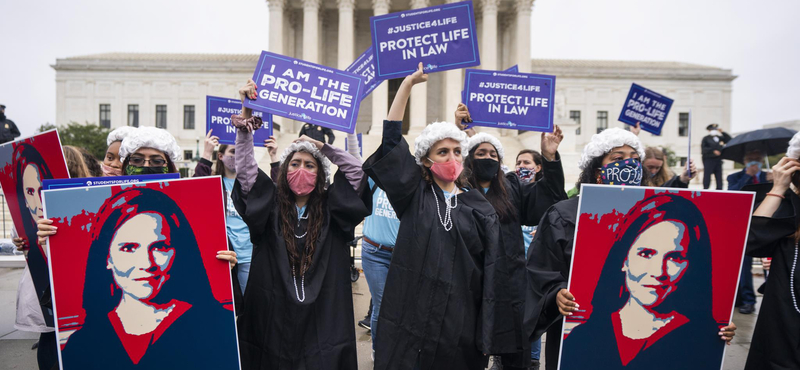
(711, 147)
(298, 309)
(112, 163)
(529, 165)
(751, 174)
(774, 233)
(516, 203)
(444, 303)
(317, 133)
(659, 175)
(149, 150)
(549, 255)
(80, 163)
(8, 129)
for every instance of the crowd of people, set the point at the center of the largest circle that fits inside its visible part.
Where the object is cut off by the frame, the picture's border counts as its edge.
(465, 259)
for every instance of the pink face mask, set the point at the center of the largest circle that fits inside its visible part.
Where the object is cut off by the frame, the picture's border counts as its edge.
(302, 181)
(110, 171)
(447, 171)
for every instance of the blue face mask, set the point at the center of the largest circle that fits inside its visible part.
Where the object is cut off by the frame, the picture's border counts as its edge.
(754, 163)
(624, 172)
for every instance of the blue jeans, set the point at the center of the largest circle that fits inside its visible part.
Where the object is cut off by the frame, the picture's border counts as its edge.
(536, 349)
(243, 274)
(747, 294)
(375, 262)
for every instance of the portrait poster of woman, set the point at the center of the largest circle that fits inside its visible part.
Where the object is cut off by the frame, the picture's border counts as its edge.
(136, 282)
(24, 164)
(654, 272)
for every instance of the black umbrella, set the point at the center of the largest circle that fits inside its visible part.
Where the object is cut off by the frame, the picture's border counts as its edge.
(769, 141)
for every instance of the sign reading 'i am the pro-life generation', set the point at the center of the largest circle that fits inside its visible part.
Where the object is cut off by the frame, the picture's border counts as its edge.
(441, 37)
(647, 107)
(501, 99)
(307, 92)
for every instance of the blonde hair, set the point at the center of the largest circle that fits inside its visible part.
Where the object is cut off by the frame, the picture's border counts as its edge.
(75, 162)
(664, 174)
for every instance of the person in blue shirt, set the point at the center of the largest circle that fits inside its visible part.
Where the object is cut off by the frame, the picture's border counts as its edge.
(751, 174)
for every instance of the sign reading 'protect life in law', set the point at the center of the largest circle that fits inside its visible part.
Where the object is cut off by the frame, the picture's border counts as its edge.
(307, 92)
(218, 118)
(364, 66)
(441, 37)
(502, 99)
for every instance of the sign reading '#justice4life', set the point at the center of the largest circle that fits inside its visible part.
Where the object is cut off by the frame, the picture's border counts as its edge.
(518, 101)
(218, 118)
(647, 107)
(441, 37)
(364, 66)
(307, 92)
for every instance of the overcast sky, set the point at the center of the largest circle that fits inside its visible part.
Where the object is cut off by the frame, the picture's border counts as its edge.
(758, 40)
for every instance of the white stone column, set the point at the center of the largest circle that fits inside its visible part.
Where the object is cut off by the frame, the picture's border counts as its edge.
(276, 23)
(453, 84)
(419, 94)
(310, 30)
(380, 96)
(346, 33)
(523, 8)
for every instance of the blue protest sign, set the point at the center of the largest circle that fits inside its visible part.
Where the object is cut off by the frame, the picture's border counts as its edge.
(519, 101)
(218, 118)
(307, 92)
(441, 37)
(360, 145)
(364, 66)
(647, 107)
(50, 184)
(513, 69)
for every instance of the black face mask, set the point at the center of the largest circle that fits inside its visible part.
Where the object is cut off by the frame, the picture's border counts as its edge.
(485, 168)
(2, 116)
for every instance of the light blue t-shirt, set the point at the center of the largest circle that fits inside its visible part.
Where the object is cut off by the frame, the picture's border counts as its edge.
(526, 235)
(382, 225)
(238, 232)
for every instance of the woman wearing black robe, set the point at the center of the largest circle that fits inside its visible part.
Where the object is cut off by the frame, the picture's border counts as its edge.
(297, 315)
(773, 233)
(550, 253)
(444, 297)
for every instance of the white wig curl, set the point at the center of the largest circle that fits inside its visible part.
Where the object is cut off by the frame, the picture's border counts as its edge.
(305, 146)
(794, 147)
(608, 139)
(119, 133)
(150, 137)
(483, 137)
(435, 132)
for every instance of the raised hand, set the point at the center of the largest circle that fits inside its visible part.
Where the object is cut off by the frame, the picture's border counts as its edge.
(462, 115)
(272, 148)
(316, 143)
(248, 91)
(209, 144)
(419, 76)
(550, 143)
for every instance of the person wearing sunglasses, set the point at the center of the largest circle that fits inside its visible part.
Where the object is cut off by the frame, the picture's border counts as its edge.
(149, 150)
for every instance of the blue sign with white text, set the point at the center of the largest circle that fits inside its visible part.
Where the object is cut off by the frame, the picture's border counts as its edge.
(518, 101)
(50, 184)
(513, 69)
(364, 66)
(647, 107)
(360, 145)
(218, 118)
(307, 92)
(442, 37)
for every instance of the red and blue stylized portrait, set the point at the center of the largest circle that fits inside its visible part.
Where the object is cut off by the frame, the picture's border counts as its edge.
(655, 273)
(25, 164)
(136, 284)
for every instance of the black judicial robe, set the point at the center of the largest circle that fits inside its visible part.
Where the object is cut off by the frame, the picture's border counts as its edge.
(531, 201)
(776, 338)
(276, 331)
(445, 297)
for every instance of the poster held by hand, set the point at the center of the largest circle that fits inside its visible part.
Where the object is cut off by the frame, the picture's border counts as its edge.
(364, 66)
(218, 118)
(647, 107)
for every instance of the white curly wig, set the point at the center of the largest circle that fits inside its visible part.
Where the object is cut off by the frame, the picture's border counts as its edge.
(433, 133)
(794, 147)
(119, 133)
(150, 137)
(603, 142)
(305, 146)
(483, 137)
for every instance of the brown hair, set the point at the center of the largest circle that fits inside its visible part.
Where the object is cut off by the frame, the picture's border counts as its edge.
(497, 195)
(663, 175)
(219, 167)
(76, 165)
(288, 215)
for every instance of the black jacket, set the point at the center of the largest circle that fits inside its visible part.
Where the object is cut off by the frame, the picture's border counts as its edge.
(711, 143)
(8, 131)
(317, 133)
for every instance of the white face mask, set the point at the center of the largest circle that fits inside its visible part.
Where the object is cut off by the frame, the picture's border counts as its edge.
(715, 133)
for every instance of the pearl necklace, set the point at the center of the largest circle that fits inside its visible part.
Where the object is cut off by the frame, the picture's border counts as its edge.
(447, 222)
(298, 225)
(302, 284)
(791, 279)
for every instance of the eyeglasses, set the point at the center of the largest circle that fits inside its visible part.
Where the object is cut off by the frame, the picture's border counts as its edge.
(140, 161)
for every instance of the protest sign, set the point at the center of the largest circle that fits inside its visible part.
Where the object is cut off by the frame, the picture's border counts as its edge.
(360, 145)
(663, 259)
(513, 69)
(364, 66)
(23, 165)
(647, 107)
(100, 181)
(689, 156)
(218, 118)
(518, 101)
(441, 37)
(307, 92)
(149, 246)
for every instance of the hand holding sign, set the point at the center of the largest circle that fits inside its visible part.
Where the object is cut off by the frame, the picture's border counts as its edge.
(419, 76)
(550, 142)
(462, 115)
(690, 173)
